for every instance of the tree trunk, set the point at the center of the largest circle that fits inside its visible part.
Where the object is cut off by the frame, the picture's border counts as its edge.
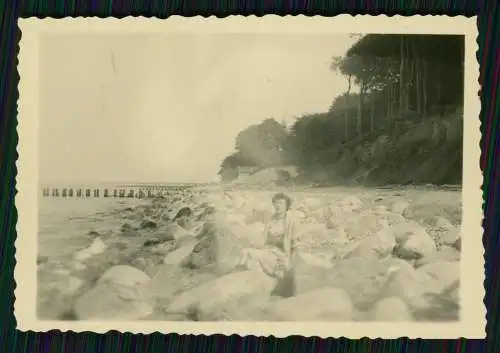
(359, 119)
(409, 76)
(372, 112)
(418, 81)
(391, 102)
(401, 73)
(346, 115)
(346, 125)
(439, 91)
(424, 86)
(418, 87)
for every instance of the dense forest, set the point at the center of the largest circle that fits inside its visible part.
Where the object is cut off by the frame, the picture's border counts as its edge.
(403, 125)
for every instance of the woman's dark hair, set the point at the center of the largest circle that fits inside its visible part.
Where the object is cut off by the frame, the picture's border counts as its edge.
(183, 212)
(282, 196)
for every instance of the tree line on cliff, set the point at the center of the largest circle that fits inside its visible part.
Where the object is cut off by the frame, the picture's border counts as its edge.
(402, 125)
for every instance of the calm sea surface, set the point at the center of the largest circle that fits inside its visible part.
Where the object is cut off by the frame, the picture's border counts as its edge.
(64, 223)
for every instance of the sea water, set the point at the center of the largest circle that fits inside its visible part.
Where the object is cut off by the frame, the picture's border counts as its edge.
(65, 237)
(64, 224)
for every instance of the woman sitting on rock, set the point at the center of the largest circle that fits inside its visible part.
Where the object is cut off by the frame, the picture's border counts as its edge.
(274, 258)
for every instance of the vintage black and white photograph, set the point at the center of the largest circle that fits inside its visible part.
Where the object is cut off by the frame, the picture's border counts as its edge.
(251, 176)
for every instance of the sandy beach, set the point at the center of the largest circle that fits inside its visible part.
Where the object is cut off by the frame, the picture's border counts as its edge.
(362, 254)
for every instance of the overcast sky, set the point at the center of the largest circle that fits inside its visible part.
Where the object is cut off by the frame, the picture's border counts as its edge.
(166, 108)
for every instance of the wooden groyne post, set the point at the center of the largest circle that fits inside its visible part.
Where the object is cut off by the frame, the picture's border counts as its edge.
(120, 191)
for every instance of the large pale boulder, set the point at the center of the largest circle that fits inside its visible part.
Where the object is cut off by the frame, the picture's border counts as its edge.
(332, 243)
(380, 244)
(334, 214)
(218, 247)
(248, 234)
(444, 223)
(269, 259)
(360, 277)
(451, 236)
(180, 255)
(316, 216)
(117, 252)
(258, 214)
(298, 215)
(311, 203)
(412, 240)
(324, 304)
(108, 301)
(438, 222)
(116, 296)
(245, 307)
(416, 246)
(412, 286)
(216, 199)
(203, 298)
(382, 216)
(444, 272)
(448, 209)
(390, 309)
(170, 280)
(306, 272)
(124, 275)
(399, 207)
(72, 286)
(146, 260)
(311, 259)
(443, 305)
(350, 203)
(235, 218)
(338, 237)
(356, 225)
(402, 231)
(445, 253)
(309, 231)
(174, 232)
(56, 293)
(237, 201)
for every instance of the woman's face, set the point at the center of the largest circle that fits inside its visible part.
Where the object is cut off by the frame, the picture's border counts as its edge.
(280, 206)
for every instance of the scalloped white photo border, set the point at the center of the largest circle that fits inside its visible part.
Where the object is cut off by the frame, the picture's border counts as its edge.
(473, 313)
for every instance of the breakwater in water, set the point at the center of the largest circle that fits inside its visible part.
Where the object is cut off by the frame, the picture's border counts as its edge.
(361, 254)
(114, 190)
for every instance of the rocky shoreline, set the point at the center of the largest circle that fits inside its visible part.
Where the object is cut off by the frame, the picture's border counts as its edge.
(369, 255)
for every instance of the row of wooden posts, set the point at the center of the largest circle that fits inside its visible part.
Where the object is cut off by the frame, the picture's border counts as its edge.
(88, 192)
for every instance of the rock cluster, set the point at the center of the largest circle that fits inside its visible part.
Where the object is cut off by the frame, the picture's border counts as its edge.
(355, 260)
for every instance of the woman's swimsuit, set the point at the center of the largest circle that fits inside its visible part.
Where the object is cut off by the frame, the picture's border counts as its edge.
(276, 233)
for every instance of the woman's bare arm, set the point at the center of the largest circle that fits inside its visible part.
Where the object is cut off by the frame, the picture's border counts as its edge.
(266, 229)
